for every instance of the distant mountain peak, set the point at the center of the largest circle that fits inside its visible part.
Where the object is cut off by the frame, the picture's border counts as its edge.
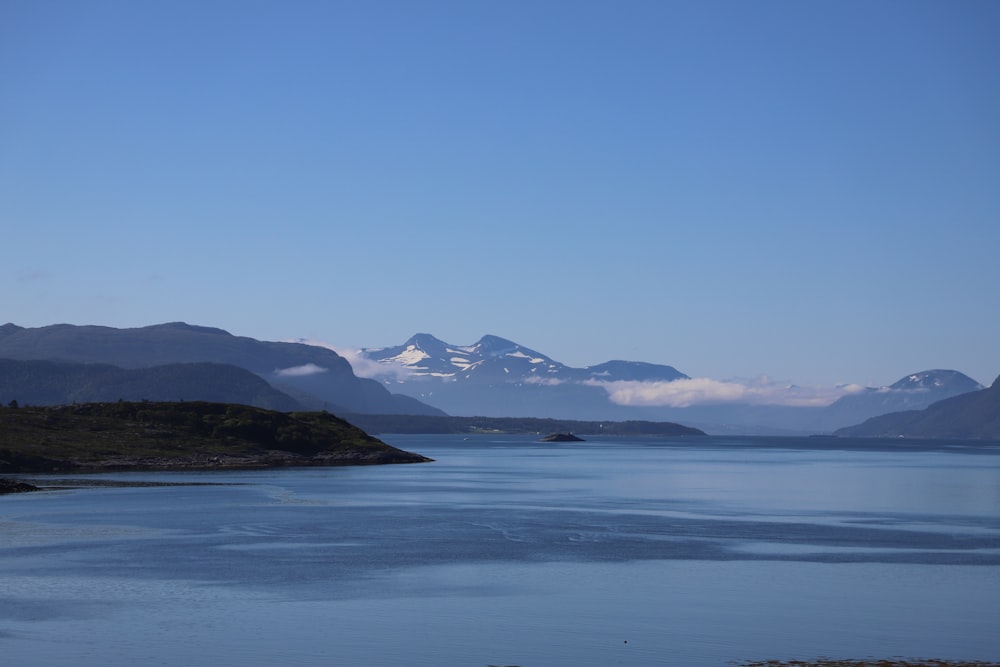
(494, 345)
(635, 370)
(424, 339)
(936, 379)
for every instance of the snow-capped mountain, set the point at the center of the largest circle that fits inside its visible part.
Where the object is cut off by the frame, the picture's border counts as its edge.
(493, 360)
(939, 381)
(496, 377)
(423, 355)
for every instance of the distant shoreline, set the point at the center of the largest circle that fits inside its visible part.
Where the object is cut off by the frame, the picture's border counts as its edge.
(438, 425)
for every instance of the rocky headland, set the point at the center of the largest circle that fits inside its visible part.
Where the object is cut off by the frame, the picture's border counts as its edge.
(195, 435)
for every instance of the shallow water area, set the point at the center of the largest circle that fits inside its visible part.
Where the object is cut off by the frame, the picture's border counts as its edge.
(507, 551)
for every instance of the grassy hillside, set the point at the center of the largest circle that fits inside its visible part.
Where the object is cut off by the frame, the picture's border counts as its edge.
(180, 435)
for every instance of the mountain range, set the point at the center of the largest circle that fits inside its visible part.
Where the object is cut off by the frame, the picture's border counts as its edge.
(494, 360)
(493, 377)
(497, 377)
(973, 415)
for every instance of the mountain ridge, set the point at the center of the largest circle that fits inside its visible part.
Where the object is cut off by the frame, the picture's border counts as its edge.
(493, 377)
(492, 357)
(497, 377)
(317, 376)
(970, 416)
(915, 391)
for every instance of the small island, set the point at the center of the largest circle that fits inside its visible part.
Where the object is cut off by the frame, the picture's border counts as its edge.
(195, 435)
(561, 437)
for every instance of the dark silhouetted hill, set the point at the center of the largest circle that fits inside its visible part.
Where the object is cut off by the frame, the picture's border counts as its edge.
(315, 376)
(60, 382)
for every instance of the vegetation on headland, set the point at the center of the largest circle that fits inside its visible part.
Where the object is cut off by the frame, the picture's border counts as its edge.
(96, 437)
(431, 424)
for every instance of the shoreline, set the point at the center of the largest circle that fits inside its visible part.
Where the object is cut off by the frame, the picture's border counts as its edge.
(868, 662)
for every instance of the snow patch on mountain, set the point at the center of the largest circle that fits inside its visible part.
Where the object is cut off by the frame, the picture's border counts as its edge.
(521, 355)
(411, 356)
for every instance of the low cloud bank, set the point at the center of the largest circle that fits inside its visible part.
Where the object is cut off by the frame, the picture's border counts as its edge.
(696, 391)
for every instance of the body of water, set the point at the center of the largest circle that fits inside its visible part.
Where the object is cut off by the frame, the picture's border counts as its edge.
(506, 551)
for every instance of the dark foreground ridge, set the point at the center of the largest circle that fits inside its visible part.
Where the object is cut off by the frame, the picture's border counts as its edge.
(195, 435)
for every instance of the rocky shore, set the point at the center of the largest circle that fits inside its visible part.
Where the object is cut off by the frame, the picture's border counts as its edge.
(14, 486)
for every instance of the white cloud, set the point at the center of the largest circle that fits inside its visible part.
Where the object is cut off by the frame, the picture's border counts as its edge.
(362, 365)
(695, 391)
(300, 371)
(367, 368)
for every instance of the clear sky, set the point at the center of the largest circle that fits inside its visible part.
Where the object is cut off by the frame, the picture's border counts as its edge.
(807, 190)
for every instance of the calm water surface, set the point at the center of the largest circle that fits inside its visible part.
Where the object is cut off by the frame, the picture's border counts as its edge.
(505, 551)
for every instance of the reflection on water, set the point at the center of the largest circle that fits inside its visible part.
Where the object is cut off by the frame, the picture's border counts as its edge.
(505, 551)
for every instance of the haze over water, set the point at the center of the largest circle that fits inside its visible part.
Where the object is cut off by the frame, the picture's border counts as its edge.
(505, 551)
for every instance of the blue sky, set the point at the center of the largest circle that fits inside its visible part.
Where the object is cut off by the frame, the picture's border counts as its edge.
(806, 190)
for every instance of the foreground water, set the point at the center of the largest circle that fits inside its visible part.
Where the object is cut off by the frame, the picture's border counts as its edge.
(505, 551)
